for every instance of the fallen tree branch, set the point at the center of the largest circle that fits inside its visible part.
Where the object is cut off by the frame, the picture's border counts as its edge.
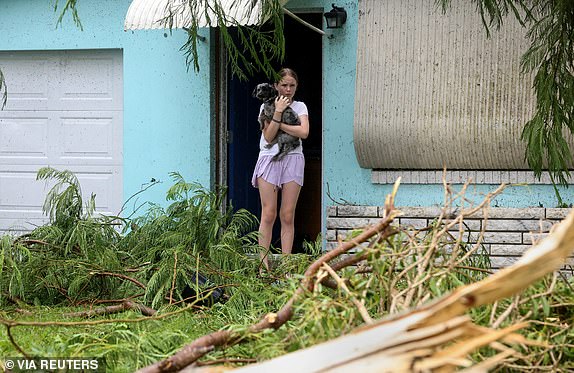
(344, 263)
(124, 306)
(100, 301)
(120, 276)
(196, 349)
(13, 323)
(360, 306)
(13, 341)
(434, 336)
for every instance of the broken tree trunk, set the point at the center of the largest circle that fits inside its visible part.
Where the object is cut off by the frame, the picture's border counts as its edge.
(201, 346)
(435, 336)
(124, 306)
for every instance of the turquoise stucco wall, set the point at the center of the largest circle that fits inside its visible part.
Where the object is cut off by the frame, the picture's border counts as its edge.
(166, 124)
(343, 178)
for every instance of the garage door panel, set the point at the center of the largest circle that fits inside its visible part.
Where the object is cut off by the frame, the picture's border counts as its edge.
(64, 138)
(88, 83)
(22, 195)
(65, 111)
(23, 137)
(26, 90)
(70, 80)
(90, 137)
(19, 191)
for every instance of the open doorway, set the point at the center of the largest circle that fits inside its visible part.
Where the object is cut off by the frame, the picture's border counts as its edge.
(238, 153)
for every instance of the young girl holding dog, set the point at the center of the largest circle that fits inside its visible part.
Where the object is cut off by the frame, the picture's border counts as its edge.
(285, 174)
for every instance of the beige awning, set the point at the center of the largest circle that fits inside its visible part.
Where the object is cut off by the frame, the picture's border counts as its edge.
(153, 14)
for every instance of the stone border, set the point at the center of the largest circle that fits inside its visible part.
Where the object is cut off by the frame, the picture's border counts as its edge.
(508, 231)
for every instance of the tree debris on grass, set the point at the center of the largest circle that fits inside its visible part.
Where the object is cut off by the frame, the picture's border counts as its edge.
(386, 297)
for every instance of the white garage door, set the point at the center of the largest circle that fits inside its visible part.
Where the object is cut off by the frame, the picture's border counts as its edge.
(64, 110)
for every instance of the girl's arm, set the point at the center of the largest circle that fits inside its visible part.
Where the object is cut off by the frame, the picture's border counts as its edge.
(301, 131)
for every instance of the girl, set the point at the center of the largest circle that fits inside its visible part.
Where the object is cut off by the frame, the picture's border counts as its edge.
(285, 174)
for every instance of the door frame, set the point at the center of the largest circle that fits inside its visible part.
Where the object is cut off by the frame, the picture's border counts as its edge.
(220, 114)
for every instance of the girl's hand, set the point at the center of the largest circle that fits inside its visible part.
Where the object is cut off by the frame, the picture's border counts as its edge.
(281, 103)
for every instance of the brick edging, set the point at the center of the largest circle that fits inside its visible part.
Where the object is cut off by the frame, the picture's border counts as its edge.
(508, 231)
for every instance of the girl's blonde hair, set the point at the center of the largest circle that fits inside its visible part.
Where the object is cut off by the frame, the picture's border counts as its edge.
(288, 72)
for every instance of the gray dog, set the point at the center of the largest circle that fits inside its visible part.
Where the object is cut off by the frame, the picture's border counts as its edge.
(266, 92)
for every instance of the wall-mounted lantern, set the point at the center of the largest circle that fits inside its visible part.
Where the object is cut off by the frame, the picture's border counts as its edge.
(336, 17)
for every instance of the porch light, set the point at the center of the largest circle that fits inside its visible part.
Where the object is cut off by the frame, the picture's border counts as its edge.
(336, 17)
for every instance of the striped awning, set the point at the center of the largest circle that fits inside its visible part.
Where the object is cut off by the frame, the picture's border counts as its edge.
(166, 14)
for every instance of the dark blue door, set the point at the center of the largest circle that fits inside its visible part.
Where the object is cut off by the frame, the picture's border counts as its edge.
(243, 145)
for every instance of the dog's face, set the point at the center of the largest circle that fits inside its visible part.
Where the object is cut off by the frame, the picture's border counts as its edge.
(264, 91)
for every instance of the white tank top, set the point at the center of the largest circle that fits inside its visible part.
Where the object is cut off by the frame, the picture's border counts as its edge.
(300, 109)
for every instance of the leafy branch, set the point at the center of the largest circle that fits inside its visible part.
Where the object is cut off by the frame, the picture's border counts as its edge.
(551, 56)
(253, 49)
(69, 6)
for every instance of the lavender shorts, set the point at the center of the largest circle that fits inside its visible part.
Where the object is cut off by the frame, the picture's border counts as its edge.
(290, 168)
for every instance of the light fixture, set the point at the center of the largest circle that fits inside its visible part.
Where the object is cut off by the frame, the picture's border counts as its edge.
(336, 17)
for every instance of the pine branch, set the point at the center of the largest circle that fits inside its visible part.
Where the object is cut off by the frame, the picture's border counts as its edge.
(551, 56)
(70, 6)
(493, 12)
(255, 47)
(121, 276)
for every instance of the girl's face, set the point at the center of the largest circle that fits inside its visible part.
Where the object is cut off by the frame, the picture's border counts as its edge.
(287, 87)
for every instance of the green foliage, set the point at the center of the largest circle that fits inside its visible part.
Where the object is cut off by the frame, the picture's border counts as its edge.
(191, 235)
(64, 263)
(69, 6)
(81, 256)
(254, 49)
(64, 208)
(405, 271)
(551, 57)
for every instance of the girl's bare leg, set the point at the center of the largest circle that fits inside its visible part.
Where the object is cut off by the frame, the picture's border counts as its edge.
(268, 196)
(289, 196)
